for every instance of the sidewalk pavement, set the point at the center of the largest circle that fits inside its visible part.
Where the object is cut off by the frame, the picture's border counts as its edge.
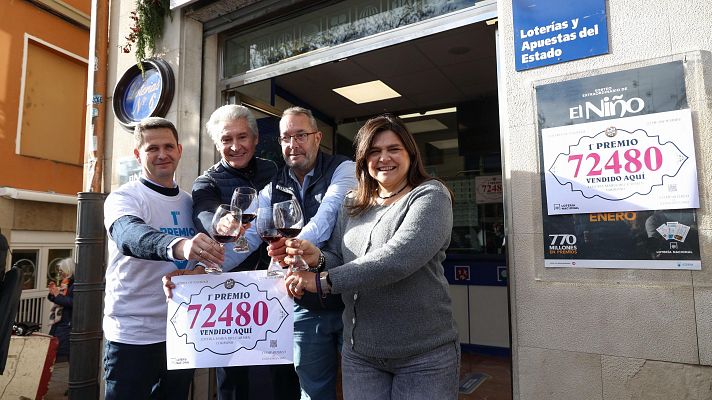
(58, 382)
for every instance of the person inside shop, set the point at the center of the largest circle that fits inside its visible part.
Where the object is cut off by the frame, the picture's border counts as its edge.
(233, 130)
(385, 258)
(138, 218)
(60, 315)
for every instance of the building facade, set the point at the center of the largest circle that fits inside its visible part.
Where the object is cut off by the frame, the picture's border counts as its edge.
(43, 78)
(628, 332)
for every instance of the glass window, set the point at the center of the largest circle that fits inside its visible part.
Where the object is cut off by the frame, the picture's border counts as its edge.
(330, 26)
(53, 108)
(26, 260)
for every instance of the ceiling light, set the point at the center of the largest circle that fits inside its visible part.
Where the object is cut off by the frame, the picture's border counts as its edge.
(445, 144)
(491, 22)
(431, 112)
(367, 92)
(427, 125)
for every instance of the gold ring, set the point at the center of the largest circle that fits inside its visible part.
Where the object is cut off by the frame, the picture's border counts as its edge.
(201, 252)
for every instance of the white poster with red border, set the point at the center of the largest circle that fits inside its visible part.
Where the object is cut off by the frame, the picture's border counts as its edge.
(230, 319)
(644, 162)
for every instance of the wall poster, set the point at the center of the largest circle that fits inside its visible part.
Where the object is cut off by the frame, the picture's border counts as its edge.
(615, 149)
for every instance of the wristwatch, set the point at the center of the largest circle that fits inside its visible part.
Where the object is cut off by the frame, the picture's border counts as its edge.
(325, 282)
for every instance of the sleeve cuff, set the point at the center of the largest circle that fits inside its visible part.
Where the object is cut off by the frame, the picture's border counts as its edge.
(170, 248)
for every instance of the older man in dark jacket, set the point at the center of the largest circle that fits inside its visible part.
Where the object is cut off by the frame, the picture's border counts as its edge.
(233, 129)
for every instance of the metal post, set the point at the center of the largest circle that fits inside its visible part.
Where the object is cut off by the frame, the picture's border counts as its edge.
(85, 339)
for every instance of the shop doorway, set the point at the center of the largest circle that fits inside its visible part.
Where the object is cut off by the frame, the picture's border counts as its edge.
(446, 86)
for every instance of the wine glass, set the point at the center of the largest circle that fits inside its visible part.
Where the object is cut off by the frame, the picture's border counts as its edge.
(244, 198)
(225, 228)
(289, 221)
(268, 233)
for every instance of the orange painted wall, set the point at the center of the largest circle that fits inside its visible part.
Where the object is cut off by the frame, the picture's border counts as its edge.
(18, 17)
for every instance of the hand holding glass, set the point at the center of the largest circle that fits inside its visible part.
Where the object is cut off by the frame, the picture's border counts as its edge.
(225, 228)
(289, 221)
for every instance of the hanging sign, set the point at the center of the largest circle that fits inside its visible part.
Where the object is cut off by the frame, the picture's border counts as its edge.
(549, 32)
(231, 319)
(141, 94)
(618, 170)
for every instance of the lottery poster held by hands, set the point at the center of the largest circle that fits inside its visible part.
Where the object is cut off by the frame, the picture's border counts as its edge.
(230, 319)
(618, 171)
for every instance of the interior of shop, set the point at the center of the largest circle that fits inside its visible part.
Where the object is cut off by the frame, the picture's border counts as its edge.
(444, 86)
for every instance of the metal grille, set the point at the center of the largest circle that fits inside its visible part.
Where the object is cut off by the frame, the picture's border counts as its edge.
(30, 310)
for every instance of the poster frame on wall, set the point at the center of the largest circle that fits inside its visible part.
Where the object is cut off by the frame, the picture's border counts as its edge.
(641, 239)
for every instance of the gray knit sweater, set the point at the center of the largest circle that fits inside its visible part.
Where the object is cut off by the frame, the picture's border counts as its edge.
(387, 264)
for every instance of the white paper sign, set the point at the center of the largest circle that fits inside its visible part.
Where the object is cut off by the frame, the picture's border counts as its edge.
(489, 189)
(644, 162)
(238, 318)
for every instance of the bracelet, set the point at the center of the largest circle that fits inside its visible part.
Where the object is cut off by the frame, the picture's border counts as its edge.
(322, 262)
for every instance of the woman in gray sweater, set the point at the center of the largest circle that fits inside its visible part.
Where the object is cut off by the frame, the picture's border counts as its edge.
(385, 258)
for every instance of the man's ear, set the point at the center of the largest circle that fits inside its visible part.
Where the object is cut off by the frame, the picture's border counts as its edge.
(137, 155)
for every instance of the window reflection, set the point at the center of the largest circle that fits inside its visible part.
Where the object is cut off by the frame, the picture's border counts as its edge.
(333, 25)
(26, 260)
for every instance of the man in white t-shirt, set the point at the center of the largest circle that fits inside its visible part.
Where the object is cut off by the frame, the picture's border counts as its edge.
(151, 234)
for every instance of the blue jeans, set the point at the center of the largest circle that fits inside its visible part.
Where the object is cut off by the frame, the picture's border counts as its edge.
(139, 372)
(317, 342)
(427, 376)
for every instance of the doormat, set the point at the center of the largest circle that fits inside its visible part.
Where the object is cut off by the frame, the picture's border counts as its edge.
(472, 381)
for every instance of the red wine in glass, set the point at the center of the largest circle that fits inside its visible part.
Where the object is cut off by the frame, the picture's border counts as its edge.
(225, 228)
(289, 232)
(248, 217)
(244, 198)
(270, 236)
(224, 238)
(268, 233)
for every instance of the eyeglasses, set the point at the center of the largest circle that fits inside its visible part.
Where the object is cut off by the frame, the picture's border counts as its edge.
(298, 137)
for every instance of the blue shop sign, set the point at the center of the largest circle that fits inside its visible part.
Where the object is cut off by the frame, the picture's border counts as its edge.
(141, 98)
(548, 32)
(141, 94)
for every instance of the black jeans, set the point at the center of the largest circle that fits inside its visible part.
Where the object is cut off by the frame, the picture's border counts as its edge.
(139, 372)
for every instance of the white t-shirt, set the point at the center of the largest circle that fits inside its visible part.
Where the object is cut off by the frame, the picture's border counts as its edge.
(134, 305)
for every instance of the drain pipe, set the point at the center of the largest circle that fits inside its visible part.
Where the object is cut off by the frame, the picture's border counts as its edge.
(90, 245)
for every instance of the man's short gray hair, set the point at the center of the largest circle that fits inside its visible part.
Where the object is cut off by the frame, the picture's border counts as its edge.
(303, 111)
(230, 112)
